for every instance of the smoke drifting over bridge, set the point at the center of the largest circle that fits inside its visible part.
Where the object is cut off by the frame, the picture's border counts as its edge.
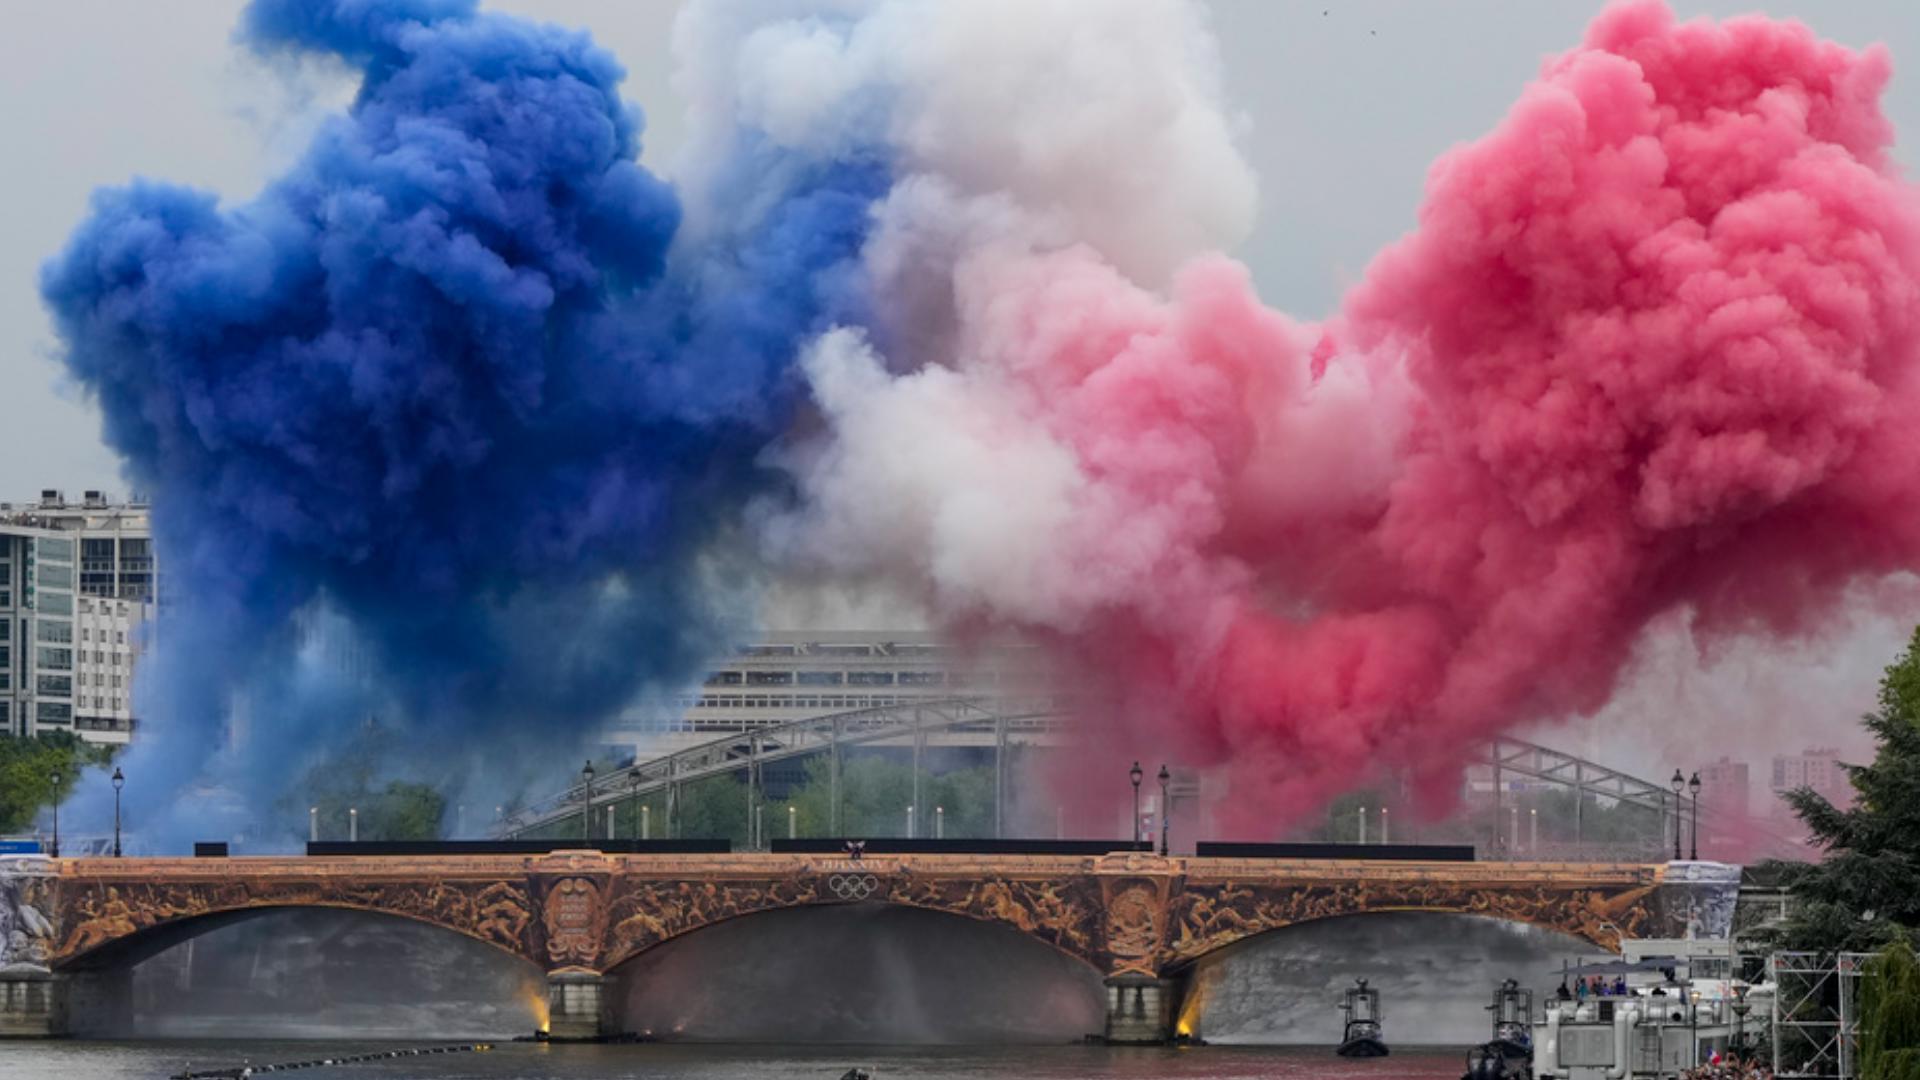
(948, 314)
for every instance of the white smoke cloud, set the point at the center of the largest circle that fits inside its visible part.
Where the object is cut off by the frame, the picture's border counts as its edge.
(1102, 122)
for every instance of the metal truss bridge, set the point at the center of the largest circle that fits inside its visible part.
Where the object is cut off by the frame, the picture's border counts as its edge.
(998, 722)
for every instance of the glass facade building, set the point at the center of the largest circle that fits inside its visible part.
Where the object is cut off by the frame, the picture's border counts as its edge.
(77, 592)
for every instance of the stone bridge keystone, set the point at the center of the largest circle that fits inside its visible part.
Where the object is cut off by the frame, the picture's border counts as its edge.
(71, 930)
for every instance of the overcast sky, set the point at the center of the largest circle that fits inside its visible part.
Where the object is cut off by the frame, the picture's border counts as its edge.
(1344, 104)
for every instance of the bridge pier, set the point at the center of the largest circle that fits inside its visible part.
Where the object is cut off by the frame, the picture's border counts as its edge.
(92, 1003)
(1140, 1008)
(582, 1005)
(26, 1004)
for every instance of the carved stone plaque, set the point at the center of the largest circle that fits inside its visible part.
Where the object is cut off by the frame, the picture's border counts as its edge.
(575, 920)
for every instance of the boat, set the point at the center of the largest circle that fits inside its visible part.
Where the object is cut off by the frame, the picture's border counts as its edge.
(1509, 1054)
(1360, 1038)
(1660, 1009)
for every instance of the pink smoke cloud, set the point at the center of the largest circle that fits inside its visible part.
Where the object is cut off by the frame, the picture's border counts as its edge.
(1651, 348)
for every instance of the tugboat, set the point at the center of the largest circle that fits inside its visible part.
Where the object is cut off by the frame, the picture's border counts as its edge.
(1361, 1037)
(1509, 1054)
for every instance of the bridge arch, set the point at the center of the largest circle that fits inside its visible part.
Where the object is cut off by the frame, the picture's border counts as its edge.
(1208, 917)
(1060, 915)
(859, 972)
(1435, 971)
(117, 924)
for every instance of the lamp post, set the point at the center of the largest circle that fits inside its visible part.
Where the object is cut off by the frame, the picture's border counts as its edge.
(313, 824)
(646, 821)
(793, 821)
(353, 824)
(909, 822)
(55, 778)
(633, 797)
(1134, 774)
(1693, 786)
(1740, 1009)
(1166, 807)
(939, 823)
(586, 807)
(1677, 783)
(119, 781)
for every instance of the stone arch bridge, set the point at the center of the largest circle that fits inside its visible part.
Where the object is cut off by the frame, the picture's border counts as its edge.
(1140, 920)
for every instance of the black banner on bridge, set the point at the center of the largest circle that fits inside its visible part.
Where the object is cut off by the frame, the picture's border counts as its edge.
(517, 847)
(898, 845)
(1234, 849)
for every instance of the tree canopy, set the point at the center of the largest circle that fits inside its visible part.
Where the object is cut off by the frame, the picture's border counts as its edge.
(31, 767)
(1865, 892)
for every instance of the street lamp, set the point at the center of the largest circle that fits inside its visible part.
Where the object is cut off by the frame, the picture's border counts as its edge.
(353, 824)
(1678, 782)
(1693, 786)
(586, 808)
(119, 780)
(793, 821)
(1166, 807)
(633, 797)
(939, 823)
(1135, 775)
(55, 777)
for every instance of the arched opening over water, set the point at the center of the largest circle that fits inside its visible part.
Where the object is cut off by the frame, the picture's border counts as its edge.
(860, 973)
(312, 972)
(1436, 973)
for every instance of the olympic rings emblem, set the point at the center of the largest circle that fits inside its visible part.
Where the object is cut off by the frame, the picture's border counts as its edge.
(853, 886)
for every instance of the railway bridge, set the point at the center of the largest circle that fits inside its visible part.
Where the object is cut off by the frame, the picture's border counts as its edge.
(74, 928)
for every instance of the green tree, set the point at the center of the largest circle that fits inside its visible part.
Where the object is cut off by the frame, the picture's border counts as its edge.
(1865, 892)
(1890, 1016)
(32, 767)
(359, 778)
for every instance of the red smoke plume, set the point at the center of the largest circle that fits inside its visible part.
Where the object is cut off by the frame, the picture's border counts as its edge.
(1651, 349)
(1660, 334)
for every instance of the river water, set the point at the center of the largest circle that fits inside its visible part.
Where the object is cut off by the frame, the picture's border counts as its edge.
(154, 1060)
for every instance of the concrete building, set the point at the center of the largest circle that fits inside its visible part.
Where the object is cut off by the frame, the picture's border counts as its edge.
(775, 677)
(1724, 787)
(1817, 768)
(77, 585)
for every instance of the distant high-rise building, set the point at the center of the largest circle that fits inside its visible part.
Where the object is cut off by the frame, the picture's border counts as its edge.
(77, 584)
(1724, 787)
(1817, 768)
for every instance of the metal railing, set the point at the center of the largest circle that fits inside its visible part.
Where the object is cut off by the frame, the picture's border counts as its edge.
(751, 750)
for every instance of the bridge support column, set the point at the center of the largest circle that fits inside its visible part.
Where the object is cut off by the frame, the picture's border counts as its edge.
(93, 1002)
(582, 1005)
(26, 1004)
(1140, 1009)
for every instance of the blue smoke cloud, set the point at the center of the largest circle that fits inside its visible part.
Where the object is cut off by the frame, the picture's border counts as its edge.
(450, 379)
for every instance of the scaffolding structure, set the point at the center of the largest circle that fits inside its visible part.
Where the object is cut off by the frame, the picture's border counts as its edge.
(1816, 1017)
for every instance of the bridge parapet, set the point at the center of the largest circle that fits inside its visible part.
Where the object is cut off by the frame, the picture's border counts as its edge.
(580, 915)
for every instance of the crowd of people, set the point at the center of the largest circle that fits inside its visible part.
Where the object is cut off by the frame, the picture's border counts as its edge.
(1729, 1067)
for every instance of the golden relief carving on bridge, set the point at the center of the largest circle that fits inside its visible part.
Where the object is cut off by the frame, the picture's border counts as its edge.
(576, 921)
(1136, 924)
(95, 914)
(1064, 913)
(1209, 916)
(643, 913)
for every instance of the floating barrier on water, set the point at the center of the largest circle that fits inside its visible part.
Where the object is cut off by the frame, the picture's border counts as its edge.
(237, 1073)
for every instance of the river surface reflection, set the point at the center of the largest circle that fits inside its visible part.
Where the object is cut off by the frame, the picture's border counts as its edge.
(149, 1060)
